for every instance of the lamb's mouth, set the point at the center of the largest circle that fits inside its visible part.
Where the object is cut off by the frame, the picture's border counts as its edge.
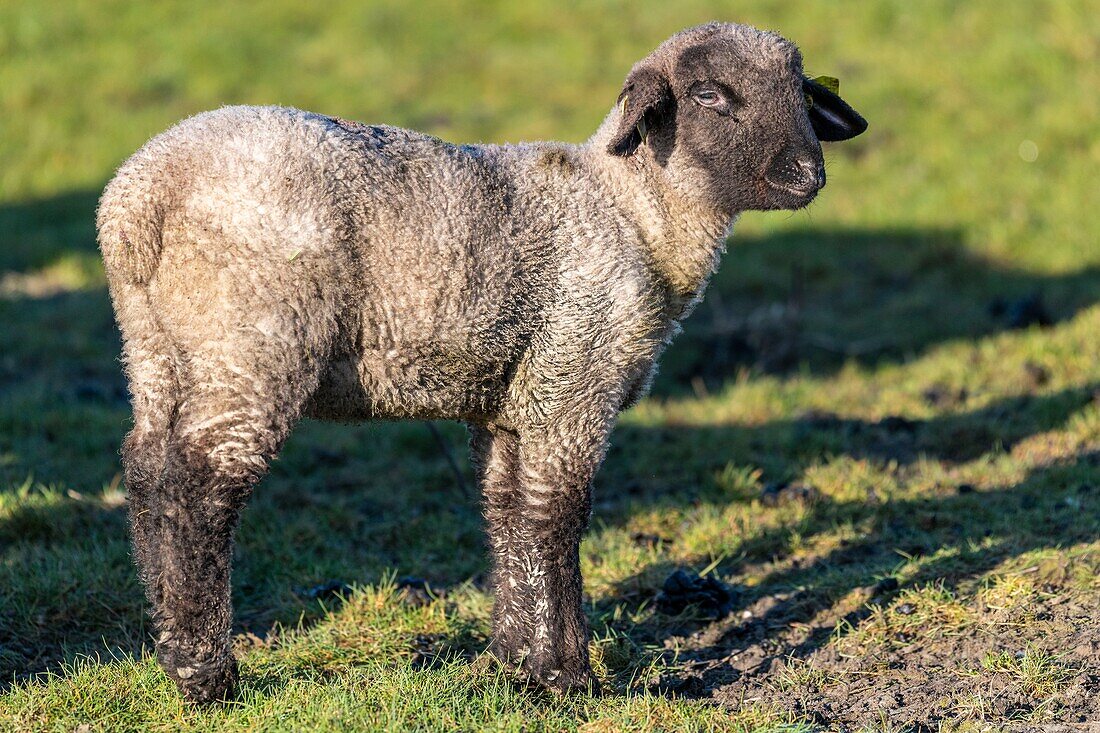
(807, 188)
(790, 195)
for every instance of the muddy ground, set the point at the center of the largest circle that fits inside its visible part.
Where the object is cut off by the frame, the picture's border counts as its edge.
(1023, 668)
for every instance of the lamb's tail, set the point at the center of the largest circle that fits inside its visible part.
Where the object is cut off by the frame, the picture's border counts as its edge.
(130, 219)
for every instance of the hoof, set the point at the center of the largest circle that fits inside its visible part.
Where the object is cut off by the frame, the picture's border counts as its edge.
(551, 674)
(554, 672)
(204, 684)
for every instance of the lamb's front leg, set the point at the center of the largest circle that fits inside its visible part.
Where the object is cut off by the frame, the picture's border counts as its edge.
(537, 504)
(555, 504)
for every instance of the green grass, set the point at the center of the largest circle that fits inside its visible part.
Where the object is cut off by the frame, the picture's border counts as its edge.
(855, 348)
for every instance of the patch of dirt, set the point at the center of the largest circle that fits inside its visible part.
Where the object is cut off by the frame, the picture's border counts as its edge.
(683, 589)
(783, 650)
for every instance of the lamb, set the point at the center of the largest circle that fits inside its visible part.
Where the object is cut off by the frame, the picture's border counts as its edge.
(267, 264)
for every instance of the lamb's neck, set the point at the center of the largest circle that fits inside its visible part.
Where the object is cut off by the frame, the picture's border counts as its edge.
(683, 236)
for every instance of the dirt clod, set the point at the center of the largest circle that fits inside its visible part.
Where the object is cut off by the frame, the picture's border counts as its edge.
(775, 494)
(327, 591)
(941, 395)
(1037, 375)
(417, 592)
(709, 596)
(1029, 310)
(644, 539)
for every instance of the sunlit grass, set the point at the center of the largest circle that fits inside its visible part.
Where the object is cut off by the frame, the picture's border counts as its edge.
(944, 462)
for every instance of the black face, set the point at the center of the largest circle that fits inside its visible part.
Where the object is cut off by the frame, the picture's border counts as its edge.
(737, 118)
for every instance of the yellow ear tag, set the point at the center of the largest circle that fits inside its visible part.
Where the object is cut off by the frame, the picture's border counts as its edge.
(829, 82)
(622, 104)
(641, 128)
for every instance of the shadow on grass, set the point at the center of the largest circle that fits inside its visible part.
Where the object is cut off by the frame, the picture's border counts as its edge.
(957, 539)
(38, 232)
(328, 511)
(817, 298)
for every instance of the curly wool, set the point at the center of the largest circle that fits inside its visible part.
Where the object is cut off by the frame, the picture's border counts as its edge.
(267, 264)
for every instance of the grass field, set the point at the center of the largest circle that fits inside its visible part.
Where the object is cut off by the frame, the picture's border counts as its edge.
(881, 430)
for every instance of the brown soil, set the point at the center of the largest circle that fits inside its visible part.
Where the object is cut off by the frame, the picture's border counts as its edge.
(783, 653)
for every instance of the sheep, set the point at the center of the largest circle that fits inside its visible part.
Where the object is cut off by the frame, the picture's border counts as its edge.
(267, 264)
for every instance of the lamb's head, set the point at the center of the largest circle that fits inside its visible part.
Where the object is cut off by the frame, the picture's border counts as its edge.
(725, 109)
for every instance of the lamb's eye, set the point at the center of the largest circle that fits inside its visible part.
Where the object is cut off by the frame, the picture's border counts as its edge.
(708, 98)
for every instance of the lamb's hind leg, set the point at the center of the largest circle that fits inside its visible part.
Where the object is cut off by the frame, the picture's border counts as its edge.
(231, 421)
(496, 461)
(151, 369)
(154, 393)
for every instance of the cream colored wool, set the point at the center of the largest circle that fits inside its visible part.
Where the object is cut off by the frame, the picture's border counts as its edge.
(267, 264)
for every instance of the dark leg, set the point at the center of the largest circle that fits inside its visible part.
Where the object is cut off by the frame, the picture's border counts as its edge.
(143, 461)
(228, 426)
(150, 368)
(184, 550)
(556, 503)
(537, 504)
(496, 462)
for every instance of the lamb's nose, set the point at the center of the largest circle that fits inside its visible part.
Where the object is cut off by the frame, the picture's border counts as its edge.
(819, 173)
(797, 171)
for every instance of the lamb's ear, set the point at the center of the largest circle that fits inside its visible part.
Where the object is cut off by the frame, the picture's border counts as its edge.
(645, 91)
(831, 117)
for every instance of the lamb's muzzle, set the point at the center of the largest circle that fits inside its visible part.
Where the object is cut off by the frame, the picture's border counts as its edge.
(798, 172)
